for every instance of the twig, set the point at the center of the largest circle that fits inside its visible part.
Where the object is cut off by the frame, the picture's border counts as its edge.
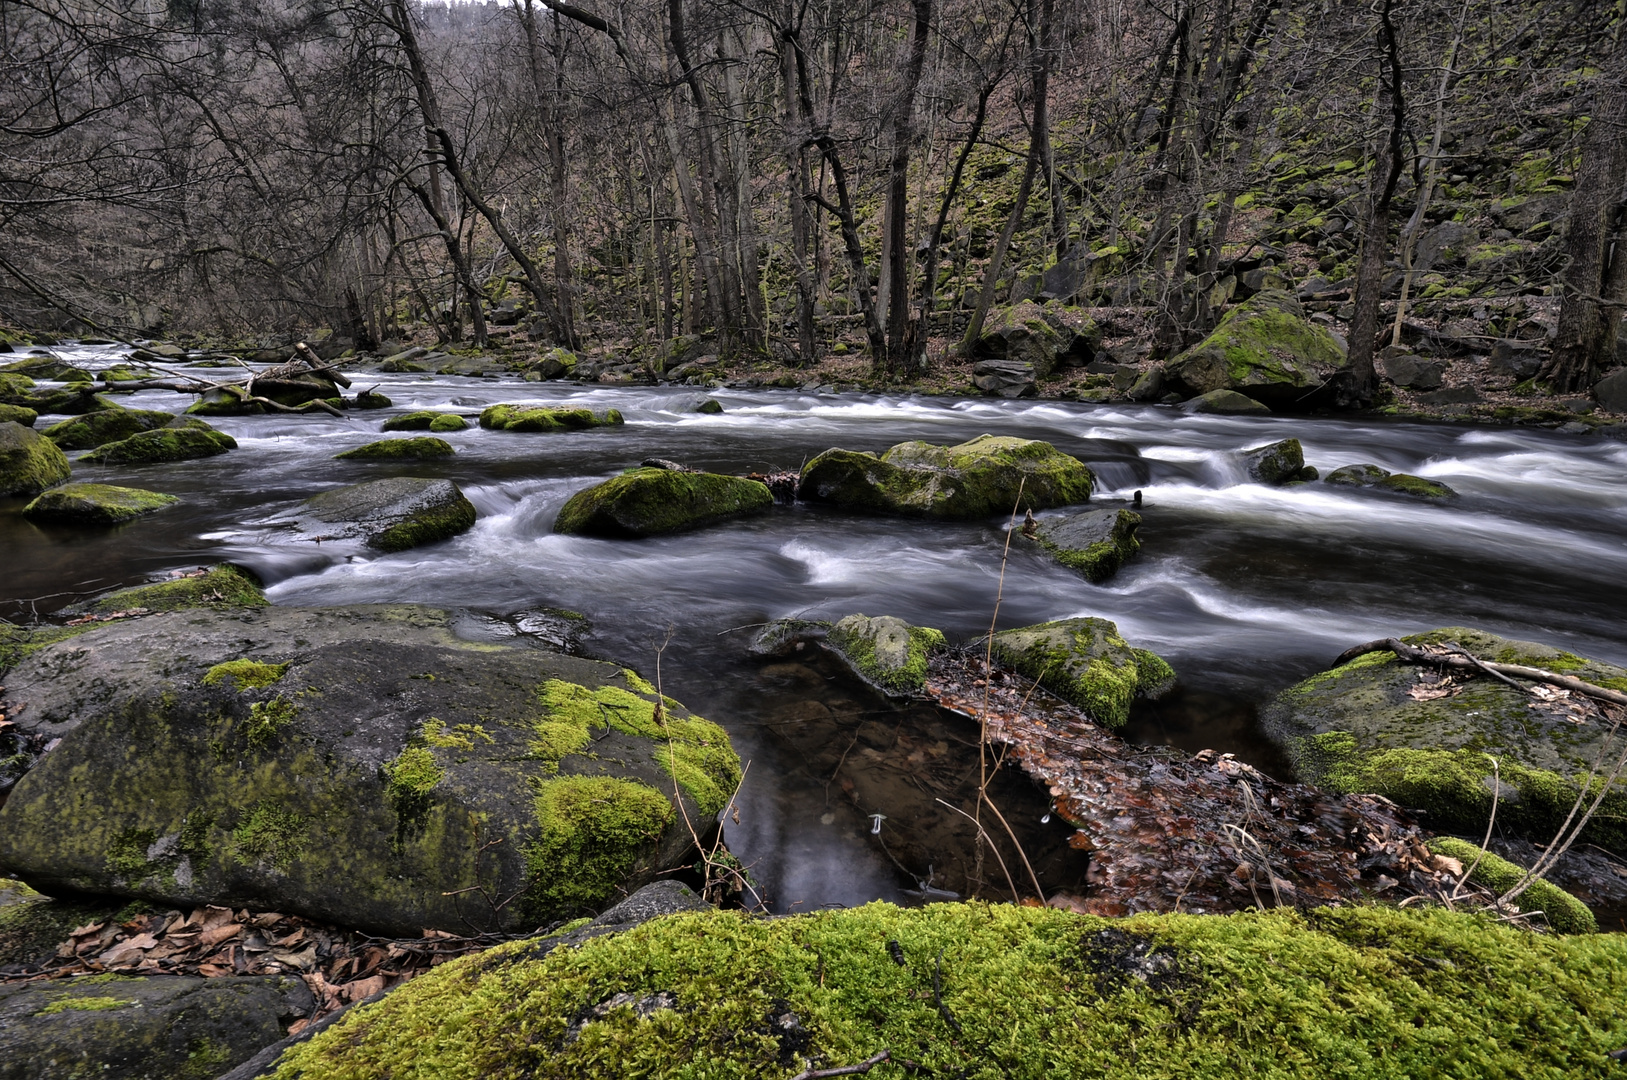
(845, 1070)
(990, 840)
(1414, 655)
(1496, 795)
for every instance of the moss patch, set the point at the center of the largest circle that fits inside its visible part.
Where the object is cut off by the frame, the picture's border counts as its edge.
(594, 832)
(1086, 662)
(29, 462)
(1096, 543)
(95, 504)
(224, 586)
(536, 418)
(270, 836)
(885, 651)
(1564, 912)
(650, 502)
(267, 719)
(106, 426)
(398, 450)
(1264, 347)
(164, 444)
(245, 674)
(84, 1004)
(1416, 486)
(409, 786)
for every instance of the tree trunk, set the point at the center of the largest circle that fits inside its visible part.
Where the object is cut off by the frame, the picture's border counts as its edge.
(897, 361)
(796, 171)
(1375, 243)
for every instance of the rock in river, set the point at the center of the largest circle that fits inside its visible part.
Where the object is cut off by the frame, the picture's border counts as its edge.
(545, 418)
(1095, 543)
(95, 504)
(361, 766)
(1225, 403)
(106, 426)
(29, 462)
(1086, 662)
(885, 651)
(425, 420)
(651, 501)
(178, 442)
(1274, 463)
(391, 515)
(398, 450)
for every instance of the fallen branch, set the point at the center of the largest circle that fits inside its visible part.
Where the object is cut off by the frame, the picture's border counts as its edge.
(845, 1070)
(1413, 654)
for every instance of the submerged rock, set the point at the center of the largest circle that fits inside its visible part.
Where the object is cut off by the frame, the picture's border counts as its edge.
(106, 426)
(545, 418)
(172, 443)
(886, 652)
(652, 501)
(1264, 348)
(1379, 725)
(1086, 662)
(29, 462)
(1225, 403)
(1095, 543)
(95, 504)
(391, 515)
(971, 480)
(361, 766)
(785, 637)
(1274, 463)
(398, 450)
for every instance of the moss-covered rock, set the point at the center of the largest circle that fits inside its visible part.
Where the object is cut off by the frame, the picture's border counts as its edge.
(1356, 475)
(1416, 486)
(886, 652)
(556, 363)
(14, 386)
(29, 462)
(222, 588)
(1562, 911)
(391, 515)
(1263, 348)
(545, 418)
(133, 1028)
(989, 991)
(1363, 728)
(32, 925)
(368, 399)
(16, 414)
(974, 479)
(1095, 543)
(1225, 403)
(1274, 463)
(171, 443)
(95, 504)
(650, 501)
(398, 450)
(231, 400)
(1086, 662)
(46, 367)
(106, 426)
(426, 420)
(366, 783)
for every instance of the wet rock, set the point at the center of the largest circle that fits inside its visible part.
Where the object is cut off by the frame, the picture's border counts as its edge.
(134, 1028)
(398, 450)
(1413, 372)
(29, 462)
(222, 588)
(885, 652)
(1095, 543)
(1086, 663)
(679, 353)
(16, 414)
(1560, 910)
(1043, 337)
(1611, 392)
(545, 418)
(1148, 386)
(653, 501)
(1401, 731)
(974, 479)
(367, 399)
(1005, 378)
(171, 443)
(786, 637)
(556, 363)
(425, 420)
(352, 765)
(1416, 486)
(1264, 348)
(100, 428)
(1357, 475)
(1274, 463)
(405, 362)
(1225, 403)
(95, 504)
(391, 515)
(47, 367)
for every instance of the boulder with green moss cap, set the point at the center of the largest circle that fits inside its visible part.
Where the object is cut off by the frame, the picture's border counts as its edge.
(1356, 476)
(652, 501)
(398, 450)
(363, 766)
(29, 462)
(974, 479)
(1274, 463)
(95, 504)
(1085, 662)
(1558, 908)
(391, 515)
(425, 420)
(16, 414)
(1390, 728)
(105, 426)
(47, 366)
(547, 418)
(174, 442)
(1415, 486)
(1264, 348)
(1095, 543)
(886, 652)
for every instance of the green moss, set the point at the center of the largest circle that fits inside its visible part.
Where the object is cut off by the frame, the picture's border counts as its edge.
(594, 832)
(413, 421)
(1263, 342)
(459, 737)
(886, 651)
(1354, 992)
(108, 425)
(29, 463)
(95, 504)
(1564, 912)
(1086, 662)
(448, 422)
(1096, 561)
(534, 418)
(267, 719)
(246, 674)
(651, 502)
(84, 1004)
(164, 444)
(409, 787)
(428, 525)
(1407, 484)
(271, 836)
(127, 854)
(17, 414)
(224, 586)
(398, 450)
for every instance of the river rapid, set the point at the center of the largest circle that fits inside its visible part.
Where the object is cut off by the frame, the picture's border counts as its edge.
(1245, 589)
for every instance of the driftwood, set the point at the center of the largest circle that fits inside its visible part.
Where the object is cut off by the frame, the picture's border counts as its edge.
(305, 364)
(1454, 657)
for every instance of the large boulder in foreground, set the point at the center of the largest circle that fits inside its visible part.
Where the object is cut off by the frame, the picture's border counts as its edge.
(885, 651)
(391, 515)
(1382, 726)
(1264, 348)
(178, 441)
(1086, 663)
(361, 766)
(1095, 543)
(29, 462)
(95, 504)
(545, 418)
(974, 479)
(652, 501)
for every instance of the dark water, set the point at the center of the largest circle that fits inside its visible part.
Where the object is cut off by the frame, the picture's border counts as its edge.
(1245, 589)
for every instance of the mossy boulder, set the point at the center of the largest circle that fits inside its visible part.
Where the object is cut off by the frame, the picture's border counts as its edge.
(1562, 911)
(1373, 726)
(545, 418)
(368, 399)
(556, 363)
(1085, 662)
(974, 479)
(425, 420)
(29, 462)
(391, 515)
(1264, 348)
(1041, 335)
(133, 1028)
(1225, 403)
(886, 652)
(222, 588)
(13, 386)
(386, 773)
(398, 450)
(16, 414)
(230, 400)
(651, 501)
(165, 444)
(95, 504)
(1095, 543)
(1274, 463)
(980, 990)
(1356, 476)
(106, 426)
(47, 367)
(1415, 486)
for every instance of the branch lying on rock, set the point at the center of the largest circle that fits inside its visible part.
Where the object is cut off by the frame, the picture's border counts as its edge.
(1461, 659)
(305, 364)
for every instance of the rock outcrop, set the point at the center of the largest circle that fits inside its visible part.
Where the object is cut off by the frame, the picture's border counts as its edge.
(1263, 348)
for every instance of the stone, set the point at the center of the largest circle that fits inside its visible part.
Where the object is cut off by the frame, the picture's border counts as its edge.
(1379, 725)
(17, 414)
(171, 443)
(1515, 360)
(1274, 463)
(398, 450)
(47, 367)
(1356, 475)
(448, 422)
(556, 363)
(1086, 663)
(1413, 372)
(1446, 245)
(1416, 486)
(390, 515)
(29, 462)
(974, 479)
(680, 352)
(1038, 335)
(405, 362)
(367, 399)
(95, 504)
(1005, 378)
(1266, 349)
(653, 501)
(508, 417)
(1225, 403)
(133, 1028)
(353, 765)
(1095, 543)
(1452, 395)
(1262, 279)
(1611, 392)
(105, 426)
(1148, 386)
(885, 651)
(786, 637)
(425, 420)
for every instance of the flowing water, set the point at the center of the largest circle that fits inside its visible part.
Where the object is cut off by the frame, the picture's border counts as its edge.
(1245, 589)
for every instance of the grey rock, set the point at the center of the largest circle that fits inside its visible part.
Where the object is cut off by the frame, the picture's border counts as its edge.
(391, 515)
(1225, 403)
(1413, 371)
(1357, 475)
(1005, 378)
(1149, 386)
(1611, 392)
(1274, 463)
(1452, 395)
(786, 637)
(1444, 245)
(1515, 360)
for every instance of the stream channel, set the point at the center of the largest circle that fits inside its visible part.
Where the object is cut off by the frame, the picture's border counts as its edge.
(1245, 589)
